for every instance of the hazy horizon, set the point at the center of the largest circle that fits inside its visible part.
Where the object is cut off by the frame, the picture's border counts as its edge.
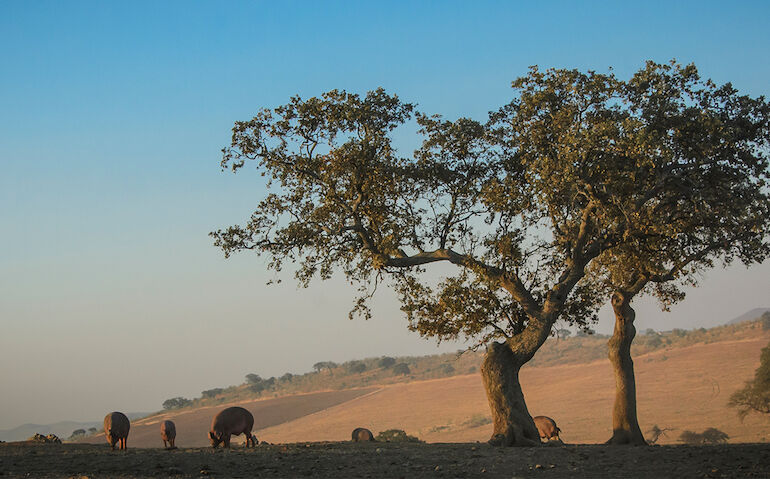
(113, 297)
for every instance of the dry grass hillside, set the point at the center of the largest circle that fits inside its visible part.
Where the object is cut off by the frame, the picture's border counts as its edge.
(679, 388)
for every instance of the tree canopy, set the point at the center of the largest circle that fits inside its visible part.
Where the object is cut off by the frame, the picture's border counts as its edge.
(581, 183)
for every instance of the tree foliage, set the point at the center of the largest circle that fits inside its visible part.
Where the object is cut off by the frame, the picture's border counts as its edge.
(755, 395)
(401, 369)
(210, 393)
(581, 183)
(176, 403)
(321, 365)
(687, 182)
(387, 362)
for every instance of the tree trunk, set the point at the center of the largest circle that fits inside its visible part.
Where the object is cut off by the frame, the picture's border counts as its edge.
(625, 424)
(513, 426)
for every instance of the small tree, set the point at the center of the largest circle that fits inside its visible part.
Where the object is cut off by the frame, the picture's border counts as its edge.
(755, 395)
(321, 365)
(287, 377)
(92, 430)
(253, 378)
(765, 319)
(78, 433)
(386, 362)
(210, 393)
(401, 369)
(176, 403)
(356, 367)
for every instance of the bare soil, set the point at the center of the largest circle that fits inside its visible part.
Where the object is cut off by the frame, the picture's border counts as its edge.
(391, 460)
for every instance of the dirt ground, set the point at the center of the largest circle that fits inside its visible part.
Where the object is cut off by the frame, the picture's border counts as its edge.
(391, 460)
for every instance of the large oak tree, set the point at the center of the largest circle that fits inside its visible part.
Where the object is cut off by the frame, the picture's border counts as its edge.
(521, 206)
(692, 192)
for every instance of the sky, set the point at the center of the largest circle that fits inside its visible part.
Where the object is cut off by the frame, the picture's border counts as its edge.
(112, 118)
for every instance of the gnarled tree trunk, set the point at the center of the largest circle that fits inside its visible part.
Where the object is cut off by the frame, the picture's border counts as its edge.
(513, 425)
(625, 424)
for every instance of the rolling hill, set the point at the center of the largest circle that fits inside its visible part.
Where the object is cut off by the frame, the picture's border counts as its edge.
(684, 386)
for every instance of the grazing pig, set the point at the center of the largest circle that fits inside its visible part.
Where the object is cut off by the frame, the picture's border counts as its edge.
(361, 434)
(168, 433)
(232, 421)
(116, 426)
(547, 428)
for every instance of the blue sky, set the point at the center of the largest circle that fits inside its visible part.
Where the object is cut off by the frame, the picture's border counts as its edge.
(112, 117)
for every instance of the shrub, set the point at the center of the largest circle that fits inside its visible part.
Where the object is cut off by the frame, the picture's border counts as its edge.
(357, 367)
(711, 435)
(387, 362)
(766, 320)
(395, 435)
(401, 368)
(176, 403)
(253, 378)
(329, 365)
(78, 433)
(210, 393)
(287, 377)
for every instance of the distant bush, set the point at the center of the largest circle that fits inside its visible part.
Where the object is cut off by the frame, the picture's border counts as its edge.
(357, 367)
(328, 365)
(253, 378)
(387, 362)
(92, 430)
(401, 368)
(176, 403)
(395, 435)
(287, 377)
(210, 393)
(765, 320)
(653, 341)
(711, 435)
(447, 368)
(78, 433)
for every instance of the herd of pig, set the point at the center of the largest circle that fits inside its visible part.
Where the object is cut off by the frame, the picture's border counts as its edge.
(235, 420)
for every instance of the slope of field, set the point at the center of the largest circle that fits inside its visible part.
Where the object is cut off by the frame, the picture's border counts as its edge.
(681, 389)
(193, 425)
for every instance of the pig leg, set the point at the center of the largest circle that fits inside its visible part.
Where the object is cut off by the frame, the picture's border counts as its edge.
(227, 441)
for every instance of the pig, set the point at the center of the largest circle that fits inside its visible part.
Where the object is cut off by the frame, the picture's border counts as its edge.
(361, 434)
(116, 426)
(547, 428)
(232, 421)
(168, 433)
